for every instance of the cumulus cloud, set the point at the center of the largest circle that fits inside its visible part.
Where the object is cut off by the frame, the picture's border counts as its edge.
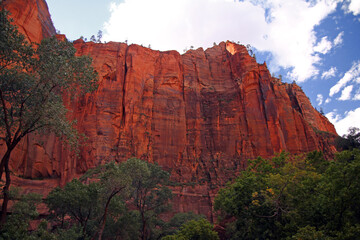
(323, 46)
(339, 39)
(282, 27)
(352, 6)
(352, 75)
(329, 73)
(327, 100)
(319, 99)
(342, 124)
(346, 93)
(357, 95)
(176, 25)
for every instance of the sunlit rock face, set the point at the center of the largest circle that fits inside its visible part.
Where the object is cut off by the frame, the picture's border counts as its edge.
(32, 18)
(199, 115)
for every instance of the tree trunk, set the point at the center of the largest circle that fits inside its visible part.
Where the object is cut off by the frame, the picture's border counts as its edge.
(143, 230)
(106, 212)
(5, 193)
(4, 165)
(103, 223)
(5, 159)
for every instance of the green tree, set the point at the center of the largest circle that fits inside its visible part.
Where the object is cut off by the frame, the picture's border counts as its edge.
(340, 196)
(349, 141)
(93, 38)
(33, 81)
(301, 198)
(99, 36)
(78, 201)
(171, 227)
(96, 202)
(150, 194)
(23, 211)
(194, 230)
(114, 181)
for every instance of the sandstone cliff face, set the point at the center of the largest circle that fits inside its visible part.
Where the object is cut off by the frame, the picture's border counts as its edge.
(200, 115)
(32, 18)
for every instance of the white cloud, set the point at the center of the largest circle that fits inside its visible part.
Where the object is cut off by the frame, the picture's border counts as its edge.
(319, 99)
(173, 24)
(339, 39)
(346, 93)
(323, 46)
(351, 75)
(342, 124)
(284, 28)
(327, 100)
(329, 73)
(352, 6)
(357, 95)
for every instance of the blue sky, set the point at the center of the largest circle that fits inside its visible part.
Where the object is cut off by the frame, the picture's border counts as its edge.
(312, 42)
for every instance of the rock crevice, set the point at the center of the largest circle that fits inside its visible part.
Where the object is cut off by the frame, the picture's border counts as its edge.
(200, 115)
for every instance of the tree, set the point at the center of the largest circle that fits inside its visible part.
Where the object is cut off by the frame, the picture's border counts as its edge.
(34, 78)
(150, 195)
(172, 227)
(195, 230)
(94, 202)
(78, 201)
(99, 36)
(304, 198)
(114, 181)
(349, 141)
(23, 211)
(92, 38)
(249, 49)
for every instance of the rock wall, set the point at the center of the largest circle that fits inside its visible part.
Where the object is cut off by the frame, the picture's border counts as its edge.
(32, 18)
(200, 115)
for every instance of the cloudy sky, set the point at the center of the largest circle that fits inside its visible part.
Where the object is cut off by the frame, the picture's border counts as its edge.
(312, 42)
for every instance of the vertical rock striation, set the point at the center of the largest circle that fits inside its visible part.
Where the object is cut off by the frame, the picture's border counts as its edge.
(200, 115)
(32, 18)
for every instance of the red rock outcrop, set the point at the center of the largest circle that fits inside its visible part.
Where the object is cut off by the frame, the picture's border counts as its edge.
(200, 115)
(32, 18)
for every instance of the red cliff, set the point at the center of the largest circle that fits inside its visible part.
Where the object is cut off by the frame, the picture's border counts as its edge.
(32, 18)
(200, 115)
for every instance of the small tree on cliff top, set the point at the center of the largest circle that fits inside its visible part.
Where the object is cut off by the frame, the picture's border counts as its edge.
(32, 81)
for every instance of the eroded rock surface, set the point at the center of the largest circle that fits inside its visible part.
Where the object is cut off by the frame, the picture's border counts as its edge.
(200, 115)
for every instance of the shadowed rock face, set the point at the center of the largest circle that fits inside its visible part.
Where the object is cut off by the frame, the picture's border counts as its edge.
(200, 115)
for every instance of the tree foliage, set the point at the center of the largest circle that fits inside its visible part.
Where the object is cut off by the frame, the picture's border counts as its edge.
(23, 211)
(100, 202)
(34, 79)
(306, 196)
(349, 141)
(76, 201)
(194, 230)
(150, 194)
(95, 203)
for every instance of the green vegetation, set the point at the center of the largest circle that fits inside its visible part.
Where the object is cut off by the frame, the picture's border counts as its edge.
(23, 211)
(349, 141)
(194, 230)
(112, 201)
(34, 77)
(301, 198)
(285, 197)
